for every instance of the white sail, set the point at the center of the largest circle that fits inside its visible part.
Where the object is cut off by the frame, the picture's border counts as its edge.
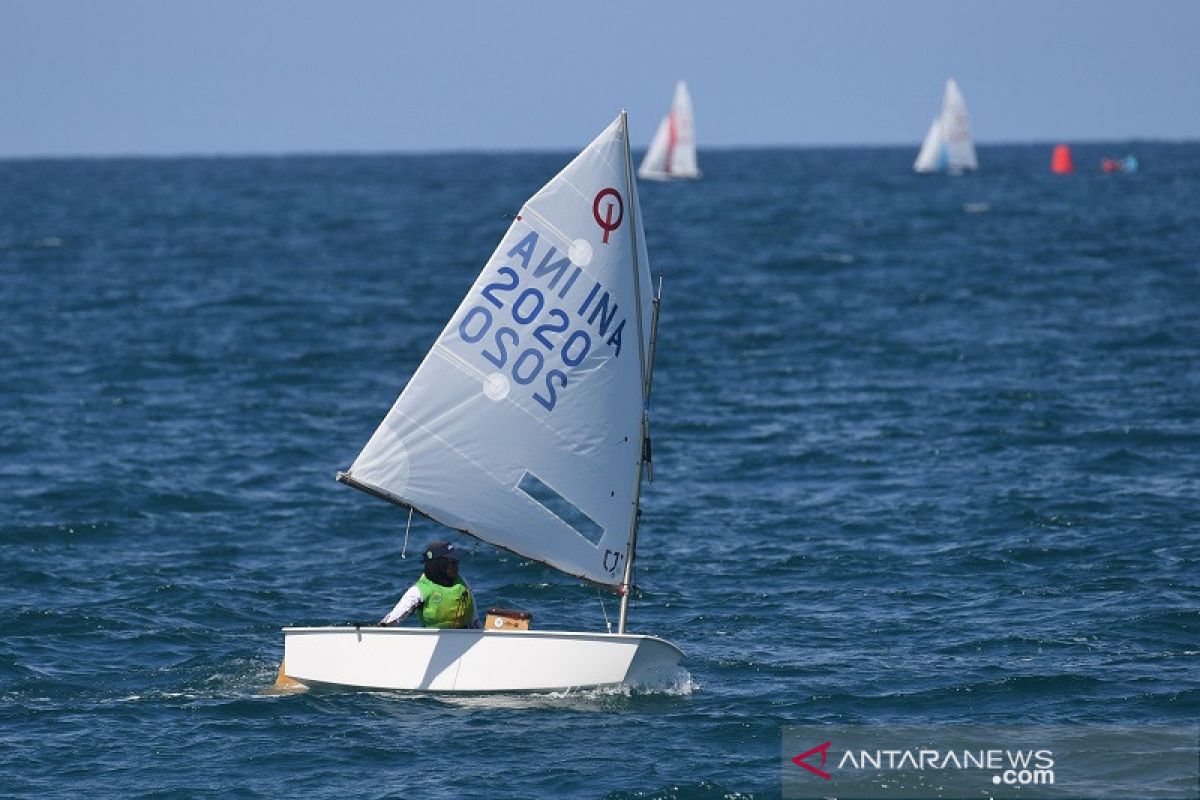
(672, 151)
(654, 163)
(523, 424)
(683, 155)
(956, 128)
(932, 149)
(949, 144)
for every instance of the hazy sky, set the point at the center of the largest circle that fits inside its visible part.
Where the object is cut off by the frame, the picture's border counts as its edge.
(238, 76)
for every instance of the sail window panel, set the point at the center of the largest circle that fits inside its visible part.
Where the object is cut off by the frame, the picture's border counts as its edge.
(562, 508)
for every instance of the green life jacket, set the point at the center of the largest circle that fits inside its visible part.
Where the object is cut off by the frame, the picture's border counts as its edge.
(446, 606)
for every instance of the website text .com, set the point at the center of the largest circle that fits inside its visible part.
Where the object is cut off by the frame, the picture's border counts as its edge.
(1025, 777)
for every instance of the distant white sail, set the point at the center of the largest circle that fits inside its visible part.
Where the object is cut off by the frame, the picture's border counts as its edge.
(523, 425)
(949, 144)
(956, 128)
(932, 150)
(655, 163)
(672, 152)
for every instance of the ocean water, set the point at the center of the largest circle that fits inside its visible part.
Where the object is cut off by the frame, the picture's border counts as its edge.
(927, 450)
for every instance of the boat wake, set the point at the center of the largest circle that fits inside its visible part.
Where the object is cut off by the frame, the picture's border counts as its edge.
(676, 682)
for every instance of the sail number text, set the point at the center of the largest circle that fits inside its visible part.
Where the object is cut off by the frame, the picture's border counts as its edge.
(535, 329)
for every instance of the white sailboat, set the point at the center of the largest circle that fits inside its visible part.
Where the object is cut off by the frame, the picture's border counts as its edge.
(526, 426)
(672, 152)
(949, 145)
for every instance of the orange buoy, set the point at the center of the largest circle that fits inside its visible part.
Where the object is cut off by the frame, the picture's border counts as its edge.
(1061, 163)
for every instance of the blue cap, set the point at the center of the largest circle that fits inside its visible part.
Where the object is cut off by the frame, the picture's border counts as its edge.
(440, 550)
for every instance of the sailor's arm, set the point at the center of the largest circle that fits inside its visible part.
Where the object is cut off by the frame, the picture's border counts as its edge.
(408, 603)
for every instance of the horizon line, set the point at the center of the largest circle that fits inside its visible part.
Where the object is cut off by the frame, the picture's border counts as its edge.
(465, 151)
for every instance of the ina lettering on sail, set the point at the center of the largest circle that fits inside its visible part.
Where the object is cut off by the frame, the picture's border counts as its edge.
(519, 325)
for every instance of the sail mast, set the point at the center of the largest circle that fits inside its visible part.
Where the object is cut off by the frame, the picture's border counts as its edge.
(647, 367)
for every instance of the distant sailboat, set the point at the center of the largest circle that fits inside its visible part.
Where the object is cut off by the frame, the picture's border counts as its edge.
(672, 152)
(1127, 164)
(948, 146)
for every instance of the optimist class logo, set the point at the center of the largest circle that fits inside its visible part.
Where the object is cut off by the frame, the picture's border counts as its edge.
(823, 749)
(607, 223)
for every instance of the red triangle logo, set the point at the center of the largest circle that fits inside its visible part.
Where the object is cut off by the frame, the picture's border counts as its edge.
(823, 749)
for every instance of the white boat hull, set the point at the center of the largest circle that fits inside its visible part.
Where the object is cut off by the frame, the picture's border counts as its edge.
(432, 660)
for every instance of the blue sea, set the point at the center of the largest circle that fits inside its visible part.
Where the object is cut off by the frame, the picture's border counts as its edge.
(926, 451)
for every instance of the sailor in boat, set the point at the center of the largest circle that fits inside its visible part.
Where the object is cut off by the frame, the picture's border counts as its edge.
(1126, 164)
(440, 594)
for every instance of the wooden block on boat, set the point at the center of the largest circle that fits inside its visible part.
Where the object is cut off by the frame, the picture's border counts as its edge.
(507, 619)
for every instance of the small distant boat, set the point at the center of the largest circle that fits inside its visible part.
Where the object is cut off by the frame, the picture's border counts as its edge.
(1127, 164)
(526, 426)
(949, 145)
(1060, 162)
(672, 152)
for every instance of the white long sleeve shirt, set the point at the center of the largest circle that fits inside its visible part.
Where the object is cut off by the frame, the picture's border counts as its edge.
(409, 603)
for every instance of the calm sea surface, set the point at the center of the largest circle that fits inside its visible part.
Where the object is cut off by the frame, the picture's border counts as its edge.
(927, 450)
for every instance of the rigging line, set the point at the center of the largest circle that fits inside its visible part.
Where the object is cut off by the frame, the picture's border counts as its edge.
(407, 528)
(603, 610)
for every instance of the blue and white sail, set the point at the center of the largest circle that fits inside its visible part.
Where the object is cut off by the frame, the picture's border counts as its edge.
(523, 424)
